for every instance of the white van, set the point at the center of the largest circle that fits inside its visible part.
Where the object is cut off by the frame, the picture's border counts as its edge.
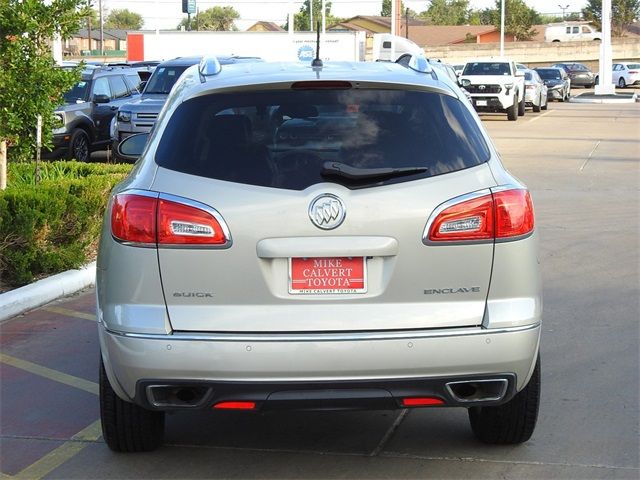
(382, 47)
(571, 32)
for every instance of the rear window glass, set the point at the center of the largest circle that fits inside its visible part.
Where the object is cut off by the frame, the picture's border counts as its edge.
(550, 74)
(293, 139)
(163, 79)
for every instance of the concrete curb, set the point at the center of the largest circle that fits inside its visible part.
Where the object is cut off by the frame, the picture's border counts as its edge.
(43, 291)
(590, 98)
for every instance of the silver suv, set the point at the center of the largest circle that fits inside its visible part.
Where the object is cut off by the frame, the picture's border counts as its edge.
(334, 237)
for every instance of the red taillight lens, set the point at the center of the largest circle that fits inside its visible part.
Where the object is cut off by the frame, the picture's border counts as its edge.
(504, 214)
(469, 220)
(235, 406)
(633, 71)
(421, 401)
(133, 218)
(514, 213)
(142, 219)
(180, 224)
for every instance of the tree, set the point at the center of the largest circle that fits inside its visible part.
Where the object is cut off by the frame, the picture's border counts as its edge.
(214, 18)
(30, 82)
(301, 20)
(623, 13)
(386, 8)
(480, 17)
(447, 12)
(519, 18)
(124, 20)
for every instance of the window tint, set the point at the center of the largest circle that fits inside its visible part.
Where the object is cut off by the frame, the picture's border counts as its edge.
(550, 74)
(163, 79)
(528, 76)
(101, 87)
(282, 139)
(133, 80)
(77, 93)
(486, 68)
(118, 87)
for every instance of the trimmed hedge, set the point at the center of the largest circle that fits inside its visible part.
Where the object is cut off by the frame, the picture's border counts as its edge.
(53, 225)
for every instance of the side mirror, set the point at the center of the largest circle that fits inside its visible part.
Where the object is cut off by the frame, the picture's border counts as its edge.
(101, 98)
(519, 73)
(132, 147)
(142, 85)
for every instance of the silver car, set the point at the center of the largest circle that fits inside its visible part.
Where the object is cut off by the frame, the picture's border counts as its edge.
(330, 237)
(535, 91)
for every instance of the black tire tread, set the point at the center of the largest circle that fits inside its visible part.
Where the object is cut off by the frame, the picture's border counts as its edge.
(512, 111)
(512, 422)
(127, 427)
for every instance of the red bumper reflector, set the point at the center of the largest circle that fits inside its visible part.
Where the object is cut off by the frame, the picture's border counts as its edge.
(421, 401)
(235, 405)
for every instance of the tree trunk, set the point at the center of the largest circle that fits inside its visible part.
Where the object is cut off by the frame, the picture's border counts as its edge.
(3, 164)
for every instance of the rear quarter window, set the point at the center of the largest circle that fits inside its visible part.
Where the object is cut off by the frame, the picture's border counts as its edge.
(283, 139)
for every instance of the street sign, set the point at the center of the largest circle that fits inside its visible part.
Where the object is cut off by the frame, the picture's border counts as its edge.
(188, 6)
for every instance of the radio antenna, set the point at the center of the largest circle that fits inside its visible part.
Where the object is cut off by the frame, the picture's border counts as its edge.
(316, 61)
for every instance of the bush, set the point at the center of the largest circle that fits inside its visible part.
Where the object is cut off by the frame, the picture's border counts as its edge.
(52, 225)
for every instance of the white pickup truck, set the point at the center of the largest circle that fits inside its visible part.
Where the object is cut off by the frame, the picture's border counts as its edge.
(495, 85)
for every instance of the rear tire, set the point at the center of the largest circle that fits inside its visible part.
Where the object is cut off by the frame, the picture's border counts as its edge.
(622, 83)
(512, 111)
(79, 147)
(512, 422)
(126, 427)
(521, 107)
(536, 108)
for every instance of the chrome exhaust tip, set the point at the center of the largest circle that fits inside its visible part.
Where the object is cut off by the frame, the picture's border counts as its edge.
(177, 396)
(468, 391)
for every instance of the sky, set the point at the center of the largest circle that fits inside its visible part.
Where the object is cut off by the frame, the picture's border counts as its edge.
(168, 13)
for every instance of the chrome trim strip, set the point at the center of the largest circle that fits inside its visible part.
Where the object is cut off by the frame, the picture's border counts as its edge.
(324, 337)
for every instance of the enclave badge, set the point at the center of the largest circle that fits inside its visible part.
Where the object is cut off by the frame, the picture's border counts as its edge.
(327, 211)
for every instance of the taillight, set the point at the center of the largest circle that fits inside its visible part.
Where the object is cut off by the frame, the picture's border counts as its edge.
(514, 213)
(499, 215)
(180, 224)
(633, 71)
(158, 220)
(133, 218)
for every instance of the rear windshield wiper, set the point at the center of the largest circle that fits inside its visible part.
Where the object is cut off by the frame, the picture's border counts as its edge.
(343, 170)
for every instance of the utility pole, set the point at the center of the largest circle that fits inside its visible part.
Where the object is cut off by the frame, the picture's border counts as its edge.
(406, 23)
(563, 10)
(101, 29)
(502, 28)
(311, 15)
(605, 86)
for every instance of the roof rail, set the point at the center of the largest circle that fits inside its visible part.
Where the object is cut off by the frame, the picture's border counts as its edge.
(208, 67)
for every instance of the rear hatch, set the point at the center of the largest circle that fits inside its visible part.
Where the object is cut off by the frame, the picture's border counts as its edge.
(325, 196)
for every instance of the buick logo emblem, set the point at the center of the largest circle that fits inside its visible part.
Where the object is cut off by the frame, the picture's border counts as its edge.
(327, 211)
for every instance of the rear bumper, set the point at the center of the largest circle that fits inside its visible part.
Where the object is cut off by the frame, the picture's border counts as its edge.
(410, 363)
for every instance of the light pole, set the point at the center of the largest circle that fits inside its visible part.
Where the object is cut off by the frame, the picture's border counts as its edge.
(563, 10)
(502, 28)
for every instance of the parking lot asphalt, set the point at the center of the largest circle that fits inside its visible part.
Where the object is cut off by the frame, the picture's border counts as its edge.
(582, 164)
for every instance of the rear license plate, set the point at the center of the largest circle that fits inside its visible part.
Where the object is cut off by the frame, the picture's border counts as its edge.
(327, 275)
(481, 103)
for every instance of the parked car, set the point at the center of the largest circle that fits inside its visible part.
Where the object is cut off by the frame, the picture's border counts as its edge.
(495, 85)
(535, 91)
(85, 117)
(579, 74)
(557, 81)
(625, 74)
(336, 237)
(140, 115)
